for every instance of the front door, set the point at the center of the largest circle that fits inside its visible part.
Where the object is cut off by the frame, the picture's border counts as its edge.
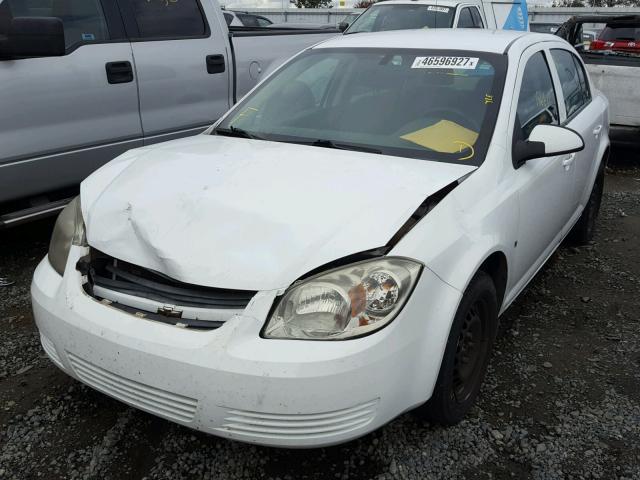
(546, 184)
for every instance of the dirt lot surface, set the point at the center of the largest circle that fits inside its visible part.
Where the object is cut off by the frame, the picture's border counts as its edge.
(562, 397)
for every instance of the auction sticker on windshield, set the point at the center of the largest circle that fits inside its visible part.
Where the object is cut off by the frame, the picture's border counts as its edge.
(468, 63)
(432, 8)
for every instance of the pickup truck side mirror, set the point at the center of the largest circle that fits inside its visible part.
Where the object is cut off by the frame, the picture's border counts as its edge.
(342, 26)
(35, 37)
(546, 141)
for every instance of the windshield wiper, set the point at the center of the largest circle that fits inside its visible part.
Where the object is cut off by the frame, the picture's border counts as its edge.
(340, 146)
(236, 132)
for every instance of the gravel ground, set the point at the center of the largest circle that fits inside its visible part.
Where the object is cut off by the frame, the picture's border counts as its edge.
(562, 397)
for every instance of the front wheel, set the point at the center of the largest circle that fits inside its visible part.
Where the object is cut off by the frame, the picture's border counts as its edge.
(467, 354)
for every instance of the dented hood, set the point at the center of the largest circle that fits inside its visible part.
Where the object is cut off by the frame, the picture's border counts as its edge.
(247, 214)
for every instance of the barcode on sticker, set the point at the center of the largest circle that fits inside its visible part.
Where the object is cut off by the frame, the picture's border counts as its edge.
(445, 62)
(432, 8)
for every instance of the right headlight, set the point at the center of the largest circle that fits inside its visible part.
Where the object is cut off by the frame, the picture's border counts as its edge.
(344, 303)
(69, 229)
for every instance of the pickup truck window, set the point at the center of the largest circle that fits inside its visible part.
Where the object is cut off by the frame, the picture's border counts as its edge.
(169, 18)
(537, 102)
(427, 104)
(402, 17)
(477, 18)
(465, 20)
(573, 88)
(83, 20)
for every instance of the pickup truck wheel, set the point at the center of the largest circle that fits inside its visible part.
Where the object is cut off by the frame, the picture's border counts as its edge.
(582, 231)
(466, 355)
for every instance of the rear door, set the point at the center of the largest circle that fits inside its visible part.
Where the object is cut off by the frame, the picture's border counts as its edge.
(63, 117)
(581, 114)
(182, 65)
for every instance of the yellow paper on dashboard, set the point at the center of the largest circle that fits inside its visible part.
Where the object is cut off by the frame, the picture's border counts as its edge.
(445, 137)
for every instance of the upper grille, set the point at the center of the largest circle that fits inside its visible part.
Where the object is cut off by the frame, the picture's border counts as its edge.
(123, 277)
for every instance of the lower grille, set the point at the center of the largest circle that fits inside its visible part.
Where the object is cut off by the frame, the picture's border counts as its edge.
(292, 426)
(151, 399)
(50, 349)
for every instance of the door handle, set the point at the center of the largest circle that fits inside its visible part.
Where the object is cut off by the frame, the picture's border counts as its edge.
(597, 130)
(119, 72)
(215, 63)
(568, 160)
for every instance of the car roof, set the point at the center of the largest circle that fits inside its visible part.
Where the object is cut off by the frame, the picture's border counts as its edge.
(472, 39)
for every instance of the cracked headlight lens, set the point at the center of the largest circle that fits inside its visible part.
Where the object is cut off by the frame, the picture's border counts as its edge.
(347, 302)
(69, 229)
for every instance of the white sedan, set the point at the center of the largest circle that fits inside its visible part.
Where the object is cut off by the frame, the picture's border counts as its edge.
(338, 248)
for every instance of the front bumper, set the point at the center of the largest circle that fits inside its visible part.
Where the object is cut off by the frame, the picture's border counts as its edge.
(232, 383)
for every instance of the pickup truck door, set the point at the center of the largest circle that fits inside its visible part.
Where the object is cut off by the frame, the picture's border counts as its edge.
(63, 117)
(182, 65)
(584, 115)
(544, 185)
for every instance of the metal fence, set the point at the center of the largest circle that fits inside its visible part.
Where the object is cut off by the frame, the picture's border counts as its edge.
(334, 16)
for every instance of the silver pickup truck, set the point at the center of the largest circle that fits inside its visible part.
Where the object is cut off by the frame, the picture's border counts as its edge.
(610, 48)
(82, 81)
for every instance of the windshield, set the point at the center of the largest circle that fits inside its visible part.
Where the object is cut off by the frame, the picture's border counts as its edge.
(402, 17)
(430, 104)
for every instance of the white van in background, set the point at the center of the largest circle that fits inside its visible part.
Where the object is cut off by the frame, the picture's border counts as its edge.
(417, 14)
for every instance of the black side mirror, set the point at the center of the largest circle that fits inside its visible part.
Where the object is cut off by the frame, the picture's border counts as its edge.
(342, 26)
(36, 37)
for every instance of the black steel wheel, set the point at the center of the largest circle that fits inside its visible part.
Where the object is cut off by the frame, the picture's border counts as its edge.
(466, 355)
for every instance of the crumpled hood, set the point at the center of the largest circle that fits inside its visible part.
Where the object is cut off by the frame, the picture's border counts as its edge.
(246, 214)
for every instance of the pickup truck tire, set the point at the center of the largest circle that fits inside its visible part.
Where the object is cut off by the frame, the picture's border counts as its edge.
(466, 356)
(582, 231)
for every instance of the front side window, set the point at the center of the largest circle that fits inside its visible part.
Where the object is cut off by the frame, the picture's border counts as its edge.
(168, 18)
(402, 17)
(428, 104)
(537, 103)
(572, 88)
(83, 20)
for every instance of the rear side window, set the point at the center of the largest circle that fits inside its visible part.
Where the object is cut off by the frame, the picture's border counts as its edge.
(83, 20)
(228, 18)
(537, 102)
(248, 20)
(169, 18)
(573, 87)
(477, 19)
(584, 83)
(465, 20)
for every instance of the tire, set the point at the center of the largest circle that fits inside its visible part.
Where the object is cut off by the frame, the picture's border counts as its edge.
(582, 231)
(461, 375)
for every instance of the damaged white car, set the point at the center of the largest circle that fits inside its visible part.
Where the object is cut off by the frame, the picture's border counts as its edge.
(337, 249)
